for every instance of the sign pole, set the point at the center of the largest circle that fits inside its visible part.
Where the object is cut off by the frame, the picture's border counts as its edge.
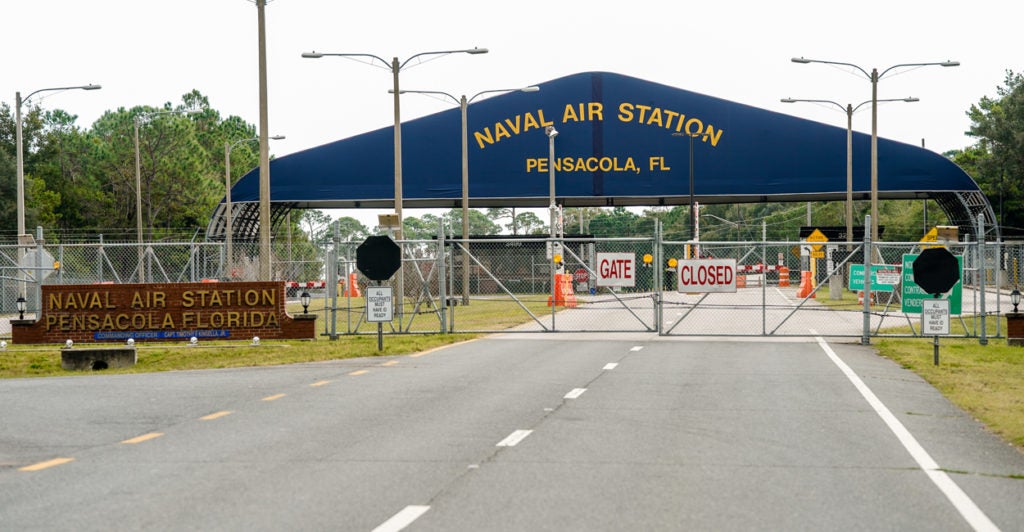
(380, 332)
(935, 344)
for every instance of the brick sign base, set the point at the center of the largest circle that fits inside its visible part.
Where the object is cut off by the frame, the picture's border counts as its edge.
(163, 312)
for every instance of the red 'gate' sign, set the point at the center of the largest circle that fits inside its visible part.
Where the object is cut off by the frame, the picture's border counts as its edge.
(616, 269)
(707, 275)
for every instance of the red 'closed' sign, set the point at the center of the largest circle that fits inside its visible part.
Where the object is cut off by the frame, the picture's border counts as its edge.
(707, 275)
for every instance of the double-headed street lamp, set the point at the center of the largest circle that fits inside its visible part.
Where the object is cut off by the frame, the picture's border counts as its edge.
(874, 76)
(20, 165)
(396, 66)
(850, 109)
(19, 155)
(693, 210)
(228, 230)
(138, 121)
(464, 106)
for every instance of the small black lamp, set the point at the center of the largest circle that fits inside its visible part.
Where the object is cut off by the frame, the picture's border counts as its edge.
(304, 298)
(1015, 299)
(21, 306)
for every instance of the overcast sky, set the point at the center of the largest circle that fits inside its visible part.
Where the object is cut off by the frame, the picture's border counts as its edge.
(146, 52)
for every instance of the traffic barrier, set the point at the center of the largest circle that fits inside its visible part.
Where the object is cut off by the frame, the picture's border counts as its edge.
(806, 286)
(741, 281)
(564, 296)
(783, 276)
(353, 286)
(860, 297)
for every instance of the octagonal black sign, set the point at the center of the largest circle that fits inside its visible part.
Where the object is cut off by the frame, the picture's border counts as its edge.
(378, 257)
(936, 270)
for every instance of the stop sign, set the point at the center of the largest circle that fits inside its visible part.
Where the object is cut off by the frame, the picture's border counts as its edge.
(936, 270)
(581, 275)
(378, 257)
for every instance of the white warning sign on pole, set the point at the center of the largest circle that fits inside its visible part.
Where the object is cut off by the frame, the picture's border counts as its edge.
(707, 275)
(379, 304)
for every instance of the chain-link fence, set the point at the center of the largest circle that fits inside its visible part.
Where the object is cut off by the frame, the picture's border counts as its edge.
(537, 283)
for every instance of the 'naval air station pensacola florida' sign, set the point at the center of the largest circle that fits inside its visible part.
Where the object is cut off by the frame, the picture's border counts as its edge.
(171, 311)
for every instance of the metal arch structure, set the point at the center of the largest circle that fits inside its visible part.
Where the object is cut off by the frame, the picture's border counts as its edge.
(618, 145)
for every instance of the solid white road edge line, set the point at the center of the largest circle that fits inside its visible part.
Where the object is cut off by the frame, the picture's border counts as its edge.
(611, 365)
(512, 439)
(402, 519)
(963, 504)
(637, 348)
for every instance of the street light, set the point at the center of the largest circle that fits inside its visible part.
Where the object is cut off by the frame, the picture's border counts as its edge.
(18, 102)
(138, 120)
(21, 303)
(1015, 299)
(464, 106)
(228, 230)
(850, 109)
(874, 76)
(395, 66)
(693, 212)
(551, 132)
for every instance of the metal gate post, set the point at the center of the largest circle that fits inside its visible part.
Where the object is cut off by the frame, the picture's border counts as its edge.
(983, 336)
(442, 277)
(865, 338)
(659, 301)
(764, 278)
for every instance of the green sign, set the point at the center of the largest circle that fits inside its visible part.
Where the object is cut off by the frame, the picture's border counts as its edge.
(884, 277)
(913, 295)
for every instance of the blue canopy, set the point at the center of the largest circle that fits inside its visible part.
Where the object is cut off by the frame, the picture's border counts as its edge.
(621, 141)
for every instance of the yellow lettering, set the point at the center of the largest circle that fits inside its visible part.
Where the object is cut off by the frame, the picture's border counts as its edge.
(625, 112)
(55, 302)
(714, 134)
(484, 137)
(188, 299)
(159, 299)
(168, 322)
(569, 114)
(514, 126)
(500, 132)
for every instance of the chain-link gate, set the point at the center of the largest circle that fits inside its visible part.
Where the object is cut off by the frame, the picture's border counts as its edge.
(515, 284)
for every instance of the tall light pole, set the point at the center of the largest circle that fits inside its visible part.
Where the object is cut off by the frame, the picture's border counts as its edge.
(551, 132)
(850, 109)
(874, 76)
(264, 145)
(464, 106)
(228, 230)
(139, 119)
(19, 142)
(396, 66)
(693, 211)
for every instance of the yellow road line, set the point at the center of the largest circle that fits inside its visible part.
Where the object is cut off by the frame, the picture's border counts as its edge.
(46, 464)
(389, 363)
(216, 415)
(359, 372)
(144, 437)
(319, 383)
(438, 348)
(274, 397)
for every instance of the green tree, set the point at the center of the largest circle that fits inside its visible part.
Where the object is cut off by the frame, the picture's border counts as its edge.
(998, 156)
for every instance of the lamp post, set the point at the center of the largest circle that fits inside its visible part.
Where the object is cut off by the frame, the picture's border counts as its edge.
(464, 106)
(20, 164)
(396, 66)
(139, 119)
(874, 76)
(228, 230)
(850, 109)
(693, 212)
(551, 132)
(19, 141)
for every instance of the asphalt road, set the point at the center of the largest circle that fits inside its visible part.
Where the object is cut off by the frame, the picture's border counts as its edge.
(512, 432)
